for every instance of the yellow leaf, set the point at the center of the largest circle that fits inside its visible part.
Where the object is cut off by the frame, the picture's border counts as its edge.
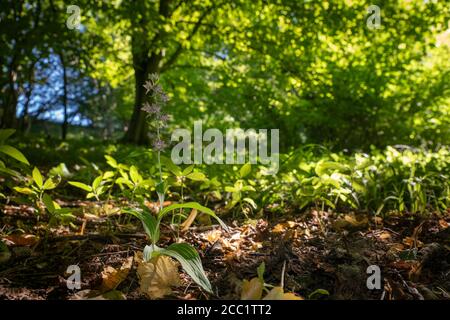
(251, 290)
(213, 236)
(351, 222)
(157, 276)
(279, 228)
(112, 277)
(277, 293)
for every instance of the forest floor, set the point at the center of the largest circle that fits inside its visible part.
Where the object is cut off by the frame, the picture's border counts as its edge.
(310, 251)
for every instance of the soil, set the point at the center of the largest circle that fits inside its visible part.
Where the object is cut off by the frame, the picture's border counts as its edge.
(317, 255)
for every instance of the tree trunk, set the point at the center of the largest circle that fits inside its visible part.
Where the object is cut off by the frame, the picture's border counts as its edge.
(146, 60)
(65, 121)
(138, 129)
(8, 118)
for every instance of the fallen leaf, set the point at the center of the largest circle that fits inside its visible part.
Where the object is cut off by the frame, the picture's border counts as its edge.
(154, 206)
(385, 235)
(406, 265)
(212, 236)
(89, 294)
(27, 240)
(112, 277)
(410, 242)
(109, 209)
(157, 276)
(443, 224)
(351, 222)
(251, 290)
(90, 216)
(256, 246)
(279, 228)
(277, 293)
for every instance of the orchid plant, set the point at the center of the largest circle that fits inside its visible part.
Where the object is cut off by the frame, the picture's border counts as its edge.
(183, 252)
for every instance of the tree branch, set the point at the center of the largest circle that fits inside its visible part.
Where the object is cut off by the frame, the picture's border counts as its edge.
(178, 51)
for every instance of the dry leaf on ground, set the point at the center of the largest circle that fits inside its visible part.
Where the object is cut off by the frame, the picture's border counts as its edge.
(112, 277)
(157, 276)
(277, 293)
(22, 239)
(89, 294)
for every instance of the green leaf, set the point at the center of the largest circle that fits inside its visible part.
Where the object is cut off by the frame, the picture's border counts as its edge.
(50, 184)
(188, 170)
(248, 188)
(96, 183)
(251, 202)
(167, 162)
(108, 175)
(260, 270)
(190, 262)
(14, 153)
(134, 175)
(323, 167)
(37, 177)
(318, 293)
(245, 170)
(230, 189)
(64, 213)
(81, 185)
(196, 176)
(111, 161)
(6, 133)
(48, 203)
(122, 180)
(9, 171)
(191, 205)
(150, 251)
(151, 225)
(160, 187)
(24, 190)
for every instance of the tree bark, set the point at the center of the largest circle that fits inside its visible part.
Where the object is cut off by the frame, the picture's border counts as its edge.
(137, 132)
(146, 60)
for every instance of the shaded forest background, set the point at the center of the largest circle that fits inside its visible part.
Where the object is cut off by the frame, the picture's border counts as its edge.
(363, 113)
(312, 69)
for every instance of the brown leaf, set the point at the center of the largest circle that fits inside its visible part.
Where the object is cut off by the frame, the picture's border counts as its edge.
(213, 235)
(443, 224)
(22, 239)
(385, 235)
(89, 294)
(411, 242)
(112, 277)
(251, 290)
(351, 222)
(157, 276)
(279, 228)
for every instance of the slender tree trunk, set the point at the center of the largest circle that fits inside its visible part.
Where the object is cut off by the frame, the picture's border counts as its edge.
(24, 121)
(65, 121)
